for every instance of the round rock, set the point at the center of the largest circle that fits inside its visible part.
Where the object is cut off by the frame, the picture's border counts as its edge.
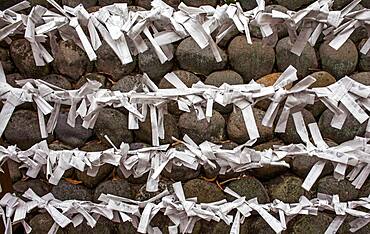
(344, 188)
(21, 53)
(74, 136)
(150, 64)
(57, 80)
(362, 77)
(303, 63)
(71, 60)
(192, 58)
(285, 188)
(92, 76)
(119, 188)
(23, 129)
(251, 60)
(311, 223)
(197, 3)
(249, 187)
(350, 128)
(205, 191)
(109, 63)
(237, 130)
(68, 191)
(40, 187)
(42, 223)
(364, 61)
(114, 124)
(6, 61)
(202, 130)
(170, 130)
(339, 62)
(128, 83)
(290, 136)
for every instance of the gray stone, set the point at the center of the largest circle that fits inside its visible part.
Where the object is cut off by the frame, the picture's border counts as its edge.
(344, 188)
(150, 64)
(21, 53)
(74, 3)
(362, 77)
(40, 187)
(110, 2)
(228, 37)
(197, 3)
(114, 124)
(205, 191)
(192, 58)
(350, 128)
(12, 78)
(73, 136)
(163, 184)
(237, 130)
(119, 188)
(128, 83)
(290, 136)
(304, 63)
(23, 129)
(364, 60)
(92, 76)
(249, 187)
(42, 223)
(6, 61)
(144, 133)
(109, 63)
(68, 191)
(339, 62)
(294, 4)
(57, 80)
(202, 130)
(251, 60)
(340, 4)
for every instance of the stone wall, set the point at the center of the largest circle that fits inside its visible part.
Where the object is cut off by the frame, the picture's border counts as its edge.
(241, 63)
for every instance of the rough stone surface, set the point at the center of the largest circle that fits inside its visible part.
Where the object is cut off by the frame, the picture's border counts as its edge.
(92, 76)
(151, 65)
(339, 4)
(23, 129)
(304, 63)
(71, 60)
(237, 130)
(251, 61)
(114, 124)
(249, 187)
(6, 61)
(100, 228)
(285, 188)
(128, 83)
(344, 188)
(293, 4)
(290, 135)
(40, 187)
(339, 62)
(311, 224)
(119, 188)
(362, 77)
(163, 184)
(73, 136)
(110, 2)
(203, 190)
(170, 129)
(192, 58)
(364, 59)
(12, 78)
(58, 80)
(197, 3)
(202, 130)
(68, 191)
(14, 171)
(85, 3)
(109, 63)
(21, 53)
(42, 223)
(350, 128)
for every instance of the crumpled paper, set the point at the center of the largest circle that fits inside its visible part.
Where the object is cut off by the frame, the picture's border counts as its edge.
(123, 29)
(183, 212)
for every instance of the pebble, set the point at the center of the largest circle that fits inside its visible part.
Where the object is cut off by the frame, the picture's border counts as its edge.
(170, 130)
(114, 124)
(220, 77)
(73, 136)
(192, 58)
(42, 223)
(128, 83)
(290, 136)
(109, 63)
(293, 4)
(21, 53)
(39, 186)
(237, 130)
(6, 61)
(310, 223)
(74, 3)
(119, 188)
(205, 191)
(249, 187)
(150, 64)
(267, 172)
(202, 130)
(252, 61)
(304, 63)
(110, 2)
(364, 59)
(58, 80)
(344, 188)
(350, 129)
(23, 129)
(285, 188)
(339, 62)
(71, 60)
(67, 191)
(92, 76)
